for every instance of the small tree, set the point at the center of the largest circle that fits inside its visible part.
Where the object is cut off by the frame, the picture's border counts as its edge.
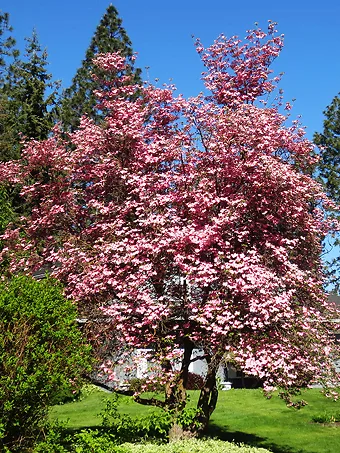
(41, 352)
(190, 223)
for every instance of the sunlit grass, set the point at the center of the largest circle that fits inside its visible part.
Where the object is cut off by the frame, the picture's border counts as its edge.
(241, 415)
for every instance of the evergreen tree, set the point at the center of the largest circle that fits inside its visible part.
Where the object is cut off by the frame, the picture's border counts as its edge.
(30, 94)
(7, 44)
(79, 98)
(328, 173)
(328, 168)
(8, 54)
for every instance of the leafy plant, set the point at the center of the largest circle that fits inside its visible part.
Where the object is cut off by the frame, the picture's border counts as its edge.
(193, 446)
(326, 417)
(124, 428)
(41, 353)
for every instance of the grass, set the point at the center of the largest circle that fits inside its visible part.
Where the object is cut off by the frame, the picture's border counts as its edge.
(245, 415)
(85, 413)
(241, 416)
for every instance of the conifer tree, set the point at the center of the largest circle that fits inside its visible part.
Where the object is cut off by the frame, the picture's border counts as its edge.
(30, 93)
(8, 54)
(328, 173)
(79, 98)
(329, 140)
(7, 44)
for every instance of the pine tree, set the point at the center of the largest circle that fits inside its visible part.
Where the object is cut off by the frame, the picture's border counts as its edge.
(31, 94)
(328, 168)
(7, 44)
(79, 98)
(8, 54)
(328, 173)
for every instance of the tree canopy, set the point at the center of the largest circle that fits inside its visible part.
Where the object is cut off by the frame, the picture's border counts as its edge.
(188, 223)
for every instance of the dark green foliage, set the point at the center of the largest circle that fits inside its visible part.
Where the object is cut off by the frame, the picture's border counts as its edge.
(329, 140)
(28, 99)
(328, 172)
(6, 216)
(6, 211)
(41, 353)
(9, 139)
(79, 98)
(8, 54)
(7, 44)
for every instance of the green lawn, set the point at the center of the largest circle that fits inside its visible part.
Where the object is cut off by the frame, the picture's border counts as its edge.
(245, 415)
(241, 415)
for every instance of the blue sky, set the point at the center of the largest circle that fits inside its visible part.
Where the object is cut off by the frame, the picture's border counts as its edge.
(161, 33)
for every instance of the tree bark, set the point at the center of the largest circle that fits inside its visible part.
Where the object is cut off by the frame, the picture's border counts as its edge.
(175, 393)
(208, 396)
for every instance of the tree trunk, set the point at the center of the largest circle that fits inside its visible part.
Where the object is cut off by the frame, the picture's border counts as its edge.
(175, 393)
(208, 397)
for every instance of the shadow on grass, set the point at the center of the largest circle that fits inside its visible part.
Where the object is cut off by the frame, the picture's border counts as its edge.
(214, 431)
(248, 439)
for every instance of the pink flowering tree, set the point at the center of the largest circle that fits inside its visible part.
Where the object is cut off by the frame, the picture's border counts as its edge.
(189, 223)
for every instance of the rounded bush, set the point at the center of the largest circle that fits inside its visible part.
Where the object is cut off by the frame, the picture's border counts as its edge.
(41, 354)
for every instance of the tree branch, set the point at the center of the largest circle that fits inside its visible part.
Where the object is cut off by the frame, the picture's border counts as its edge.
(149, 401)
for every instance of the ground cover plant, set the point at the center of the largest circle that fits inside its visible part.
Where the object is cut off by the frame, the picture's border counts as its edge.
(192, 446)
(187, 224)
(241, 415)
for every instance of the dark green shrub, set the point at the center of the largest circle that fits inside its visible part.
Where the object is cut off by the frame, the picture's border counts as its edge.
(41, 354)
(66, 395)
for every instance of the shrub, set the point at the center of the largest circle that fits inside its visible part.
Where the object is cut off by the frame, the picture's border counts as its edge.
(125, 428)
(41, 354)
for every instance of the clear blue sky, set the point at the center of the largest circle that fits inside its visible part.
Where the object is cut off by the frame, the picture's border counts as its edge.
(161, 34)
